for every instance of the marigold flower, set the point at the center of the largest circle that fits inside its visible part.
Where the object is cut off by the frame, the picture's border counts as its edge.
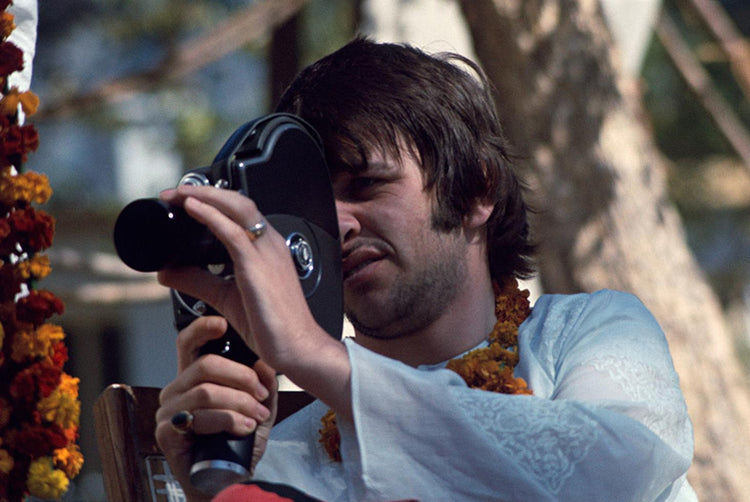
(38, 343)
(11, 58)
(59, 355)
(330, 437)
(62, 407)
(8, 315)
(6, 461)
(46, 482)
(5, 410)
(39, 406)
(38, 306)
(10, 281)
(7, 24)
(29, 229)
(69, 385)
(36, 440)
(18, 141)
(71, 434)
(38, 380)
(9, 103)
(69, 460)
(38, 267)
(23, 188)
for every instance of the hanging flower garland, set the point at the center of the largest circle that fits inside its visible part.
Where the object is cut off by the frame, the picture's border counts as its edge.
(39, 406)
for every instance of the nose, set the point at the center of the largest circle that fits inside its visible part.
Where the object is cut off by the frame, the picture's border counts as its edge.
(349, 225)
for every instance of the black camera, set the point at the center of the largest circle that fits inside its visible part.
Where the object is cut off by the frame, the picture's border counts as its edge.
(277, 161)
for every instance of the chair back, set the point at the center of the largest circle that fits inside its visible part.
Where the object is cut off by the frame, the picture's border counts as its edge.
(134, 468)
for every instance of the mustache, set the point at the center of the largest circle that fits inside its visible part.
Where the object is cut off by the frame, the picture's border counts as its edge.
(367, 243)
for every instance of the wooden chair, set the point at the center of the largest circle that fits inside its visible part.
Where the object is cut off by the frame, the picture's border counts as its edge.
(134, 468)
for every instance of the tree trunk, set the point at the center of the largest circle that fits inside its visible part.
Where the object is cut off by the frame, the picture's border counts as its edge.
(603, 217)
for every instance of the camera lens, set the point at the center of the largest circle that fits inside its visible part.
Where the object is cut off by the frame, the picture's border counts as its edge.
(151, 235)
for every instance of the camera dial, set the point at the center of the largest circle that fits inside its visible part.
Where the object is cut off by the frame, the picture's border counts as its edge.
(302, 253)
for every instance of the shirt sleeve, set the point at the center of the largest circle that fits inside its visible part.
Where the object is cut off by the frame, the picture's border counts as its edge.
(607, 421)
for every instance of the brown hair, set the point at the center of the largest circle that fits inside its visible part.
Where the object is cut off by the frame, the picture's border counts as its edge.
(375, 95)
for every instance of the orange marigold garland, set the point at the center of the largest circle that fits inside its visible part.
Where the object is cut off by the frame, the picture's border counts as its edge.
(489, 368)
(39, 406)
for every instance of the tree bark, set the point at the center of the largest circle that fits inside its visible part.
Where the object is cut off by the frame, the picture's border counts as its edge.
(603, 217)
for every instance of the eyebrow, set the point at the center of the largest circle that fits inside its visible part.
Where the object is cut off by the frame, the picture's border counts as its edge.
(383, 166)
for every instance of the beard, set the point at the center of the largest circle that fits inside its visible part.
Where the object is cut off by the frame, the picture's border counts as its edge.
(414, 300)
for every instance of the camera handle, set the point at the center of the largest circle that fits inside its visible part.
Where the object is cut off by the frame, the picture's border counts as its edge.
(219, 460)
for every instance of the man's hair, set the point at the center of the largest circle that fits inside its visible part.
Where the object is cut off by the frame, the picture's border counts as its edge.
(370, 95)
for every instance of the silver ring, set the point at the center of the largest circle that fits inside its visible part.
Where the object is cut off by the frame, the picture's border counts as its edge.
(256, 230)
(182, 422)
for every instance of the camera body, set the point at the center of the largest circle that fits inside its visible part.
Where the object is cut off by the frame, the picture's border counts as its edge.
(276, 160)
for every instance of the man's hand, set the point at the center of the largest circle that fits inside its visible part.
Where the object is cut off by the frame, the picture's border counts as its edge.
(264, 302)
(222, 395)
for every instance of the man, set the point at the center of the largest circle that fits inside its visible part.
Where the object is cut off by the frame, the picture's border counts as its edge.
(434, 232)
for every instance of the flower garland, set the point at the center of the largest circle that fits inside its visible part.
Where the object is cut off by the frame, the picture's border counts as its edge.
(39, 407)
(489, 368)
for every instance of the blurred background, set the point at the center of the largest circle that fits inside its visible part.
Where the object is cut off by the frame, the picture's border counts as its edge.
(135, 92)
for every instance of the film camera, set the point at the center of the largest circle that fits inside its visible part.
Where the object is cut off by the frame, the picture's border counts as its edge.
(278, 161)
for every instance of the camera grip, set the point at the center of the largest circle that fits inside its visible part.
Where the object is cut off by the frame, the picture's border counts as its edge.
(219, 460)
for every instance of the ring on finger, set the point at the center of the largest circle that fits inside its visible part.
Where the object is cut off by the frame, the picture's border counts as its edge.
(182, 422)
(256, 230)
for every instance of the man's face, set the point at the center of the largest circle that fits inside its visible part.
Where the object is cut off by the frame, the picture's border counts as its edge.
(399, 272)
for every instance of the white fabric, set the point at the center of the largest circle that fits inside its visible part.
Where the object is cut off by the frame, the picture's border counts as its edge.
(24, 37)
(607, 420)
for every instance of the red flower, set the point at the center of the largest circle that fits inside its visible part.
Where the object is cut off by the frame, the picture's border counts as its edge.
(18, 141)
(38, 380)
(59, 354)
(37, 440)
(38, 306)
(30, 229)
(8, 316)
(10, 282)
(11, 59)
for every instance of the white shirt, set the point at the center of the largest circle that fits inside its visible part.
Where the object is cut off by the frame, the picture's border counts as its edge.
(607, 421)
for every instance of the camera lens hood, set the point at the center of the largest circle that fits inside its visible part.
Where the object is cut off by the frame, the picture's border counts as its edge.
(150, 235)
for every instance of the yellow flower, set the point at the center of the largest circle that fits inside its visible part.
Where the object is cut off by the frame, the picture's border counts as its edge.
(26, 187)
(25, 346)
(7, 24)
(37, 267)
(69, 385)
(6, 462)
(38, 343)
(62, 406)
(69, 459)
(28, 100)
(46, 482)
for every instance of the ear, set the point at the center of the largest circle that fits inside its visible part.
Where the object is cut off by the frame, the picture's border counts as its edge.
(478, 216)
